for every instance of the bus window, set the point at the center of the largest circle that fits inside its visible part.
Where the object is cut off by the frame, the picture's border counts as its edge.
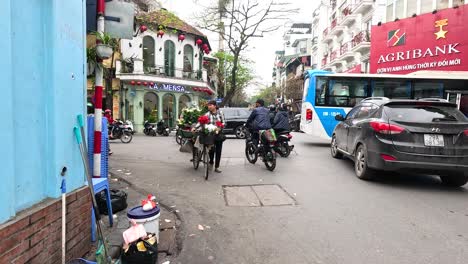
(391, 89)
(320, 90)
(348, 93)
(425, 89)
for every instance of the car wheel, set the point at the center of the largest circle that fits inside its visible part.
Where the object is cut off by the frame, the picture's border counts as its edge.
(454, 179)
(361, 168)
(240, 132)
(335, 153)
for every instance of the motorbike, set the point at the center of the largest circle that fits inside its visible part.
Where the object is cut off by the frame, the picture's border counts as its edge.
(119, 130)
(264, 150)
(149, 129)
(295, 123)
(162, 128)
(282, 146)
(130, 126)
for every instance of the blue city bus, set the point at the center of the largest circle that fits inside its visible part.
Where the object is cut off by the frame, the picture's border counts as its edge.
(327, 94)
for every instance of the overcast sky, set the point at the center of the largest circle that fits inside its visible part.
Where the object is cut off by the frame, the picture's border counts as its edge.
(262, 50)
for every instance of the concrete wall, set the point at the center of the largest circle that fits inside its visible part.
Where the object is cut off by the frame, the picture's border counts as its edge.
(44, 89)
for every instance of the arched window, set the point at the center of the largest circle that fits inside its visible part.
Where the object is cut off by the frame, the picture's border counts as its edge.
(184, 102)
(188, 58)
(148, 53)
(169, 58)
(150, 110)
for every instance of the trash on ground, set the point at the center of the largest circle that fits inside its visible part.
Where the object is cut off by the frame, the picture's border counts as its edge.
(191, 235)
(167, 262)
(167, 220)
(200, 227)
(119, 170)
(177, 211)
(173, 206)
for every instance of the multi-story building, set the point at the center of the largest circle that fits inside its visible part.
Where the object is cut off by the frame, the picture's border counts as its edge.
(342, 32)
(164, 69)
(292, 60)
(421, 35)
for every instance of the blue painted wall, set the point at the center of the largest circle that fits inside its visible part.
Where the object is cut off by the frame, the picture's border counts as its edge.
(44, 87)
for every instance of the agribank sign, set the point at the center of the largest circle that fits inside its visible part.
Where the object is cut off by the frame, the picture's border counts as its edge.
(426, 42)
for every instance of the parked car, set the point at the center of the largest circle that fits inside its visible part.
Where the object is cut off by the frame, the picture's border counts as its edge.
(235, 119)
(395, 135)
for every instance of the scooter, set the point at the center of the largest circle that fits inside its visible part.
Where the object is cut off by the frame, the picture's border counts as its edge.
(149, 129)
(282, 146)
(120, 131)
(162, 128)
(130, 126)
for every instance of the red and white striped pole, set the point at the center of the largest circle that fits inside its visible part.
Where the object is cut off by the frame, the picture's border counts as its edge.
(98, 98)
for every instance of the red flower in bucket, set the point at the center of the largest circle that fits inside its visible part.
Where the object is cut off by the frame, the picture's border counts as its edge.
(219, 124)
(203, 120)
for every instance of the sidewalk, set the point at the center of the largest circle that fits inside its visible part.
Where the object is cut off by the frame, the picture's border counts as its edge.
(169, 222)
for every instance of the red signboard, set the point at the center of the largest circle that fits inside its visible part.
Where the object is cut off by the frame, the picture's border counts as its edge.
(355, 69)
(426, 42)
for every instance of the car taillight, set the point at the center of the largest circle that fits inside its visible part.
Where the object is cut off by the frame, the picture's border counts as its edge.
(385, 128)
(387, 157)
(290, 136)
(309, 114)
(466, 132)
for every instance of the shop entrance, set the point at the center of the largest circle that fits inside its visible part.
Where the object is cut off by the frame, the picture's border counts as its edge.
(169, 109)
(151, 107)
(460, 98)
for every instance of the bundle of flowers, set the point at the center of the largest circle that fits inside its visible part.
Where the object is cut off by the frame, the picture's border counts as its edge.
(190, 116)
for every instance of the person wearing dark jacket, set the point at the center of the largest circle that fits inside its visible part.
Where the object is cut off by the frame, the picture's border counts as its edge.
(258, 120)
(281, 121)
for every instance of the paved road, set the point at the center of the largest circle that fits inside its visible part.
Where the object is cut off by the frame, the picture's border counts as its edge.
(337, 219)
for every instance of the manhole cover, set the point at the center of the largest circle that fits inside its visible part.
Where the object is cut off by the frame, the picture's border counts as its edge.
(256, 195)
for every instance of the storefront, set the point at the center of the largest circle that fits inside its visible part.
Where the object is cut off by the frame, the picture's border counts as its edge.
(155, 101)
(434, 41)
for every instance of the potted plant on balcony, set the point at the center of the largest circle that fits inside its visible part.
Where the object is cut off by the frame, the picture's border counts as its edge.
(106, 45)
(91, 59)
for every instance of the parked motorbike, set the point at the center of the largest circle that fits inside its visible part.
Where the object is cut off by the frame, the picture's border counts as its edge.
(149, 129)
(121, 131)
(162, 128)
(282, 146)
(264, 150)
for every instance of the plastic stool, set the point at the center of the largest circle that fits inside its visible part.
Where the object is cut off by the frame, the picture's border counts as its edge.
(99, 185)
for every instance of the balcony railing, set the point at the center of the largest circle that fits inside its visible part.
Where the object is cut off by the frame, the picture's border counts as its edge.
(361, 37)
(325, 32)
(333, 23)
(334, 55)
(324, 61)
(345, 47)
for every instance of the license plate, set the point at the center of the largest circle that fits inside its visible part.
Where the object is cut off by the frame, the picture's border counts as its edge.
(432, 140)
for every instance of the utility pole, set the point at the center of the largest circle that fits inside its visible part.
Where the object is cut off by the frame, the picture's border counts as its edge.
(98, 95)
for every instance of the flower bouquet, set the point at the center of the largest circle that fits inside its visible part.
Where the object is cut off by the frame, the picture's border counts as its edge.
(207, 131)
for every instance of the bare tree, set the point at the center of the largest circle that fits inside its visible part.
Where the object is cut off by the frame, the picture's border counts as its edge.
(244, 19)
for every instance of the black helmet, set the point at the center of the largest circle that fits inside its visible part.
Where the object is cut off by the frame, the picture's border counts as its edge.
(272, 108)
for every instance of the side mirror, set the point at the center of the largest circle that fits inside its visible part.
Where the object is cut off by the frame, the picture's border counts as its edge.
(339, 117)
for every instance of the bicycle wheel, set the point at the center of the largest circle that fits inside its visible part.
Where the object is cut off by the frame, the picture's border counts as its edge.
(178, 137)
(195, 157)
(205, 161)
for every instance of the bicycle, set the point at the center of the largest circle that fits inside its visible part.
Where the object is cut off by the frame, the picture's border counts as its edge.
(202, 155)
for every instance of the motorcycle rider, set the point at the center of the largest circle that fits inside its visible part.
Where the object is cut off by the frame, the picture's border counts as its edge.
(272, 113)
(110, 121)
(258, 120)
(281, 121)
